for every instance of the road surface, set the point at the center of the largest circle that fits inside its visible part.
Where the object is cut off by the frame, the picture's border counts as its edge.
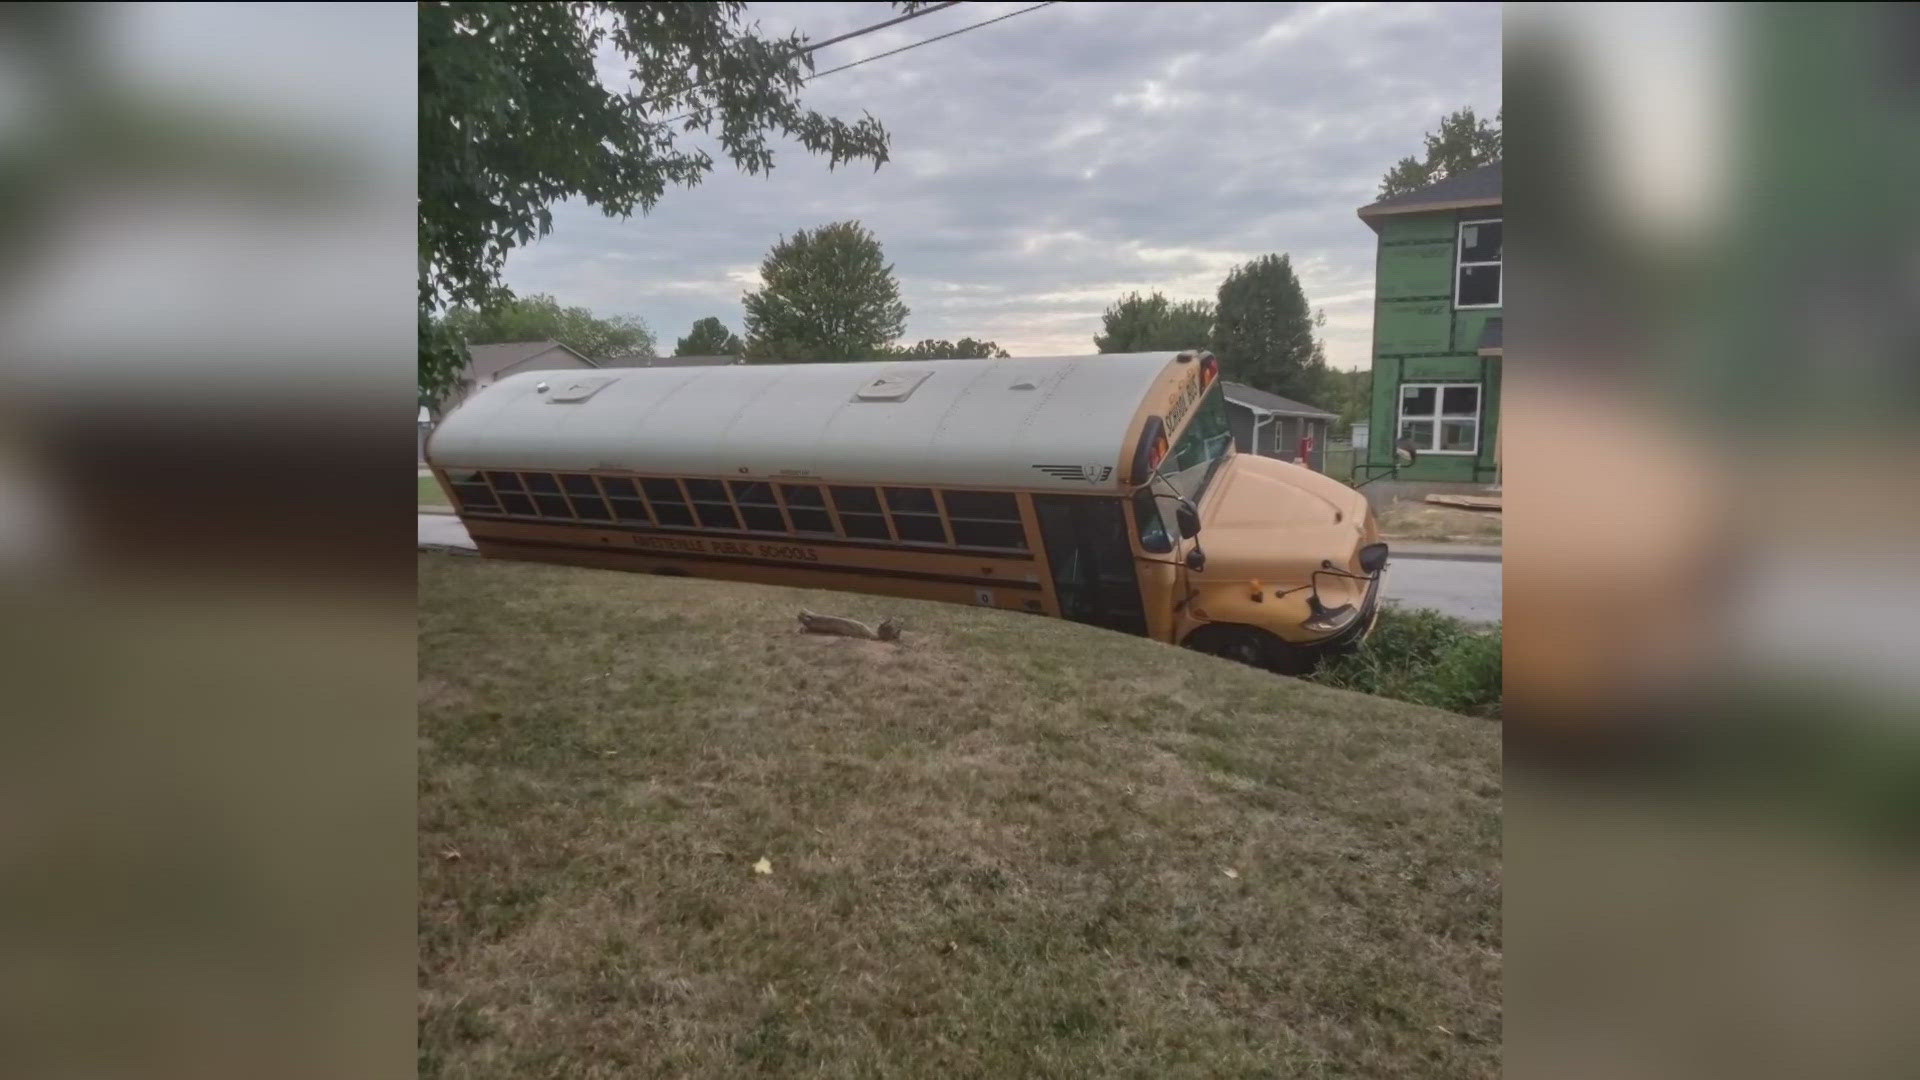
(1463, 589)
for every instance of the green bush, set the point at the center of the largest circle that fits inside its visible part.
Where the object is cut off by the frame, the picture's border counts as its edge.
(1426, 658)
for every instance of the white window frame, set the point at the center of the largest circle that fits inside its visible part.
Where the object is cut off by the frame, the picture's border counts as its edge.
(1436, 417)
(1460, 265)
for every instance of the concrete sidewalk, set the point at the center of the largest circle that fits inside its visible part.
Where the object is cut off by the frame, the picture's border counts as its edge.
(1416, 549)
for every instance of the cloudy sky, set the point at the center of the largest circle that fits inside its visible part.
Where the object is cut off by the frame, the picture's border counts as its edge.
(1043, 166)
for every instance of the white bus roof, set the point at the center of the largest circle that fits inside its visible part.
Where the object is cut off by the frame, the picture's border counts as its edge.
(1044, 422)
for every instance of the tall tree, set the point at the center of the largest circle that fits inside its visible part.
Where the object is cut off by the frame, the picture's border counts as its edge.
(1152, 323)
(965, 349)
(709, 337)
(1264, 332)
(1463, 142)
(513, 118)
(828, 294)
(539, 317)
(1349, 393)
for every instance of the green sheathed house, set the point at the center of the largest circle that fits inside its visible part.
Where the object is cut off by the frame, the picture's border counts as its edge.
(1437, 331)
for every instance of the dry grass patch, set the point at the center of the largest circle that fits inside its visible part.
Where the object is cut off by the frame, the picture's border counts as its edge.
(999, 847)
(1412, 519)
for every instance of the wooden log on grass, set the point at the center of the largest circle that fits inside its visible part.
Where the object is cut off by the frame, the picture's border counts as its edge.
(810, 623)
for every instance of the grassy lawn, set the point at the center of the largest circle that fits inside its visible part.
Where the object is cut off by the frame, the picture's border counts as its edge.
(1410, 519)
(430, 492)
(1006, 846)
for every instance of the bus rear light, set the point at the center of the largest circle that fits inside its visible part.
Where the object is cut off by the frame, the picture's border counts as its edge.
(1209, 370)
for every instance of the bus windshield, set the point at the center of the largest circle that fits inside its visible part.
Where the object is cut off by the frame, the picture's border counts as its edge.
(1191, 463)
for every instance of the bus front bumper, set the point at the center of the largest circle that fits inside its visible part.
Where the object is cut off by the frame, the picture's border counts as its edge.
(1349, 632)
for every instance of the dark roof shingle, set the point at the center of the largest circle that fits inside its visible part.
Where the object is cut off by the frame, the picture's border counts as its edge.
(1242, 394)
(487, 361)
(1480, 185)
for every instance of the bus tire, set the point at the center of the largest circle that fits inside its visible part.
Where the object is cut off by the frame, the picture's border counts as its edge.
(1252, 646)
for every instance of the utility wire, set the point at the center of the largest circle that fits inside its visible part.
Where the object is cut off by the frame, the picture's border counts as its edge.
(851, 34)
(903, 48)
(929, 41)
(814, 47)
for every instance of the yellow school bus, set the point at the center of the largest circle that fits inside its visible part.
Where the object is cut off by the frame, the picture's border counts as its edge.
(1102, 489)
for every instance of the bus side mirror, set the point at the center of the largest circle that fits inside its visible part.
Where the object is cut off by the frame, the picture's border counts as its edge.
(1189, 521)
(1196, 560)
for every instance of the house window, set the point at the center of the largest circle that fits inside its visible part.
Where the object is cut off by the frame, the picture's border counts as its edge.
(1441, 418)
(1477, 275)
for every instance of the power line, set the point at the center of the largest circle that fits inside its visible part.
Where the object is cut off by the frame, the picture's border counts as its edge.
(814, 47)
(903, 48)
(929, 41)
(850, 35)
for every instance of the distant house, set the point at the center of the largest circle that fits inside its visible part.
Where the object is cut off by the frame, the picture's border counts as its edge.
(488, 363)
(1271, 426)
(1437, 354)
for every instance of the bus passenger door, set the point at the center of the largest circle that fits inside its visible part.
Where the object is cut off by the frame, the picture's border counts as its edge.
(1091, 560)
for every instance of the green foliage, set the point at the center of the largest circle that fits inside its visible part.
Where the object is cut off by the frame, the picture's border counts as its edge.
(539, 317)
(1349, 393)
(1152, 323)
(710, 337)
(1424, 657)
(828, 294)
(965, 349)
(1463, 142)
(513, 117)
(1264, 333)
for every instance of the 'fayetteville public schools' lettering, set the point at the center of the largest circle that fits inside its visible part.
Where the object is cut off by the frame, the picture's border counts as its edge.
(691, 546)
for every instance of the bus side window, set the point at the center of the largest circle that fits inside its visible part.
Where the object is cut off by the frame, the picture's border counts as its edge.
(757, 506)
(987, 519)
(471, 489)
(916, 516)
(624, 498)
(711, 505)
(807, 508)
(669, 506)
(1154, 535)
(513, 493)
(860, 514)
(585, 495)
(546, 495)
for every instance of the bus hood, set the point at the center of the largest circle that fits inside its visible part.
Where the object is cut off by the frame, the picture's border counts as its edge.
(1275, 521)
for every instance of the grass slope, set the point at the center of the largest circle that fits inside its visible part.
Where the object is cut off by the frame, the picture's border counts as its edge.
(431, 494)
(1001, 848)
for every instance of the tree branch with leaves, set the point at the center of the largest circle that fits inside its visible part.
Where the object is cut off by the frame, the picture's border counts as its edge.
(1463, 143)
(515, 116)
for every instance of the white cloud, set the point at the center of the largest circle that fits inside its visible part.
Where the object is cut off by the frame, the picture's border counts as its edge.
(1044, 166)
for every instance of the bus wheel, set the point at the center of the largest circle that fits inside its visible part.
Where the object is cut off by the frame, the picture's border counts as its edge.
(1252, 646)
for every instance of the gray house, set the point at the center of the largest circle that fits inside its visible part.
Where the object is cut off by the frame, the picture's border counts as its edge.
(488, 363)
(1271, 426)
